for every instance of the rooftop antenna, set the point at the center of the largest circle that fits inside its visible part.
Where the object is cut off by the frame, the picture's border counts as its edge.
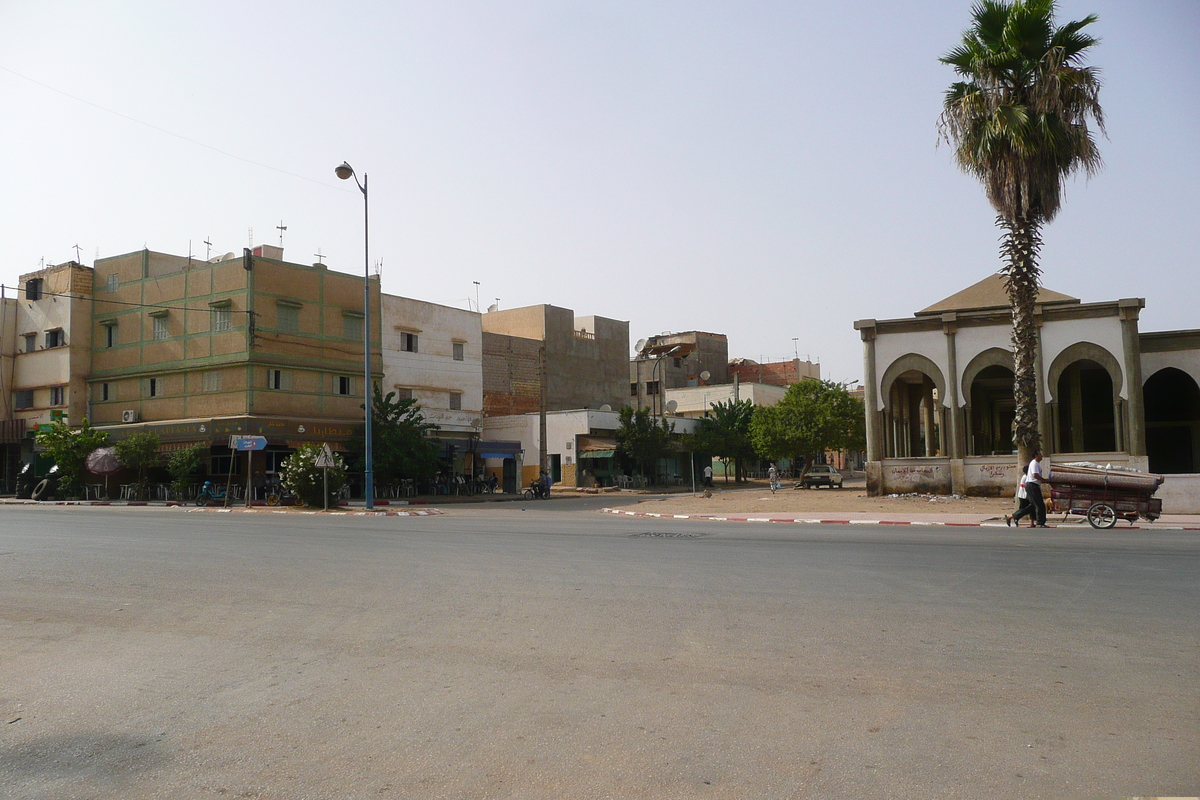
(378, 266)
(476, 296)
(189, 252)
(281, 228)
(320, 258)
(250, 234)
(76, 254)
(207, 248)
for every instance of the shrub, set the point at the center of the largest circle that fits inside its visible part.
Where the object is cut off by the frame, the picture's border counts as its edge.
(307, 481)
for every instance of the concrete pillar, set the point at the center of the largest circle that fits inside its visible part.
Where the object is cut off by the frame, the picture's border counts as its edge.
(954, 437)
(927, 408)
(875, 432)
(1040, 368)
(1135, 416)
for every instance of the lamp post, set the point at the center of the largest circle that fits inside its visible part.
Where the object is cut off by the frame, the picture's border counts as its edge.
(345, 171)
(654, 369)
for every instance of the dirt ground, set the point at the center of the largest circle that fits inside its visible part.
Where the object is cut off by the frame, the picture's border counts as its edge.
(756, 497)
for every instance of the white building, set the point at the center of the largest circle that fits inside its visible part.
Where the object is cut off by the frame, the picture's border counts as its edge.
(695, 401)
(434, 354)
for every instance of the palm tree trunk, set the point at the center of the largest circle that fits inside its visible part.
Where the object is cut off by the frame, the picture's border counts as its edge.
(1019, 248)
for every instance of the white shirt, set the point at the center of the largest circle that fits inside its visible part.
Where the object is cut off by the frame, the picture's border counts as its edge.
(1035, 472)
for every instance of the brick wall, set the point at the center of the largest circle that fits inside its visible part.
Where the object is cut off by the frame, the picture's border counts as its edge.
(511, 376)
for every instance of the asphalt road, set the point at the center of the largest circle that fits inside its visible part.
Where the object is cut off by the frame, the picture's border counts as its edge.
(544, 650)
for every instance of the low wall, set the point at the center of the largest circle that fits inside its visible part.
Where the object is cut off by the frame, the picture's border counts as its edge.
(1180, 494)
(909, 476)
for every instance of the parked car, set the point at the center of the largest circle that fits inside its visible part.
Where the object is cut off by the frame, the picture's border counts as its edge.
(821, 475)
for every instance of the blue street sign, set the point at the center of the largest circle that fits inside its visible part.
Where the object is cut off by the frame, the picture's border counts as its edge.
(243, 443)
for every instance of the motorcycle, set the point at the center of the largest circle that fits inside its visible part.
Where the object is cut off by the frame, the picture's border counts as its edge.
(536, 491)
(210, 493)
(278, 494)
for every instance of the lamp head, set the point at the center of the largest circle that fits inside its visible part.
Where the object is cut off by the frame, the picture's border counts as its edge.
(344, 171)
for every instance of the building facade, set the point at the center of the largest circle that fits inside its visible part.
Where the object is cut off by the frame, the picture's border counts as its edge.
(673, 361)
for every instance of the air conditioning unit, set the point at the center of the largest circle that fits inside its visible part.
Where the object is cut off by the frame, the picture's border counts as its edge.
(130, 415)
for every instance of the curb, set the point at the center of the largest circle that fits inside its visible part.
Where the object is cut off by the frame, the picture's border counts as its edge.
(809, 521)
(425, 512)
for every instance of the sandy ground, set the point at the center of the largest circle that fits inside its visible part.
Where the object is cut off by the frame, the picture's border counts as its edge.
(853, 498)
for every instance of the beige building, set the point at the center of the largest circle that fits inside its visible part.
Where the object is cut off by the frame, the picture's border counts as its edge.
(536, 351)
(250, 344)
(45, 340)
(673, 361)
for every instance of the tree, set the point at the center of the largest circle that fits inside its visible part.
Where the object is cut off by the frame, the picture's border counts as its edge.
(307, 481)
(400, 442)
(812, 417)
(181, 464)
(1018, 121)
(140, 452)
(70, 447)
(643, 438)
(724, 431)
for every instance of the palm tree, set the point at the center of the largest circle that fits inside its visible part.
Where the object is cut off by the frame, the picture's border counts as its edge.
(1018, 121)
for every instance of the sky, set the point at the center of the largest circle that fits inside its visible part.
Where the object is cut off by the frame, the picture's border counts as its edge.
(766, 170)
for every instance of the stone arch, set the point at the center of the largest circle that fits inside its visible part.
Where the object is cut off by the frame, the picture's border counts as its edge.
(914, 423)
(1084, 419)
(1172, 405)
(992, 357)
(1084, 351)
(988, 403)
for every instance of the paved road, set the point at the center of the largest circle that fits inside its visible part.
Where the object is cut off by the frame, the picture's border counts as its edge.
(545, 650)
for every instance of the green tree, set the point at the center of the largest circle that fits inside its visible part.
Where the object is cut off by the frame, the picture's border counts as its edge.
(181, 464)
(401, 446)
(140, 452)
(1018, 121)
(307, 481)
(70, 447)
(643, 438)
(812, 417)
(724, 431)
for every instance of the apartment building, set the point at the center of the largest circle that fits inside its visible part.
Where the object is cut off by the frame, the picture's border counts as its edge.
(674, 361)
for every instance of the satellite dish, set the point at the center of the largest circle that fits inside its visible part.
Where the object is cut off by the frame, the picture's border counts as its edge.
(493, 307)
(606, 407)
(640, 346)
(671, 406)
(705, 375)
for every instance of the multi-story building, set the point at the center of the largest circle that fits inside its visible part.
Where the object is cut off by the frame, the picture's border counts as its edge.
(45, 338)
(546, 351)
(201, 350)
(774, 373)
(434, 354)
(674, 361)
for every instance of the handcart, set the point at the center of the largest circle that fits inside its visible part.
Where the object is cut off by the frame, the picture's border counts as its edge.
(1104, 495)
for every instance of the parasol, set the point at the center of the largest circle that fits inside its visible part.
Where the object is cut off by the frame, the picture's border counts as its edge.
(104, 461)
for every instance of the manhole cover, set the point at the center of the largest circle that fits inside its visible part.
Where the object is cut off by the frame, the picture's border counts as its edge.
(667, 535)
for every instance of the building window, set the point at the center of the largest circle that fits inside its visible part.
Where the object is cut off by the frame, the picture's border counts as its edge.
(110, 334)
(408, 342)
(58, 395)
(352, 327)
(677, 363)
(651, 387)
(222, 318)
(212, 381)
(154, 387)
(279, 379)
(55, 338)
(23, 398)
(30, 342)
(456, 401)
(460, 351)
(633, 390)
(344, 385)
(33, 289)
(287, 317)
(160, 327)
(113, 282)
(404, 394)
(104, 392)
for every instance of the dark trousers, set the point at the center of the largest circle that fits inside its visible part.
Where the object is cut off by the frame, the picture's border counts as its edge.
(1034, 490)
(1024, 508)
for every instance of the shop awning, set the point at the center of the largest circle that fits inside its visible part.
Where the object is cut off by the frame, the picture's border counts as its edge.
(498, 449)
(596, 447)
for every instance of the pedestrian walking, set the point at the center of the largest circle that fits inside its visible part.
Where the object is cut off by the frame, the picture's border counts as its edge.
(708, 475)
(1035, 478)
(773, 478)
(1023, 505)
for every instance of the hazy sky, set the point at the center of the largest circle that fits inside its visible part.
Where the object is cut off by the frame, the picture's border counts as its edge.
(765, 170)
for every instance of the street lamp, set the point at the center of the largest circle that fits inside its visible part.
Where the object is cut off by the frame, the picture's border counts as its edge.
(654, 369)
(345, 171)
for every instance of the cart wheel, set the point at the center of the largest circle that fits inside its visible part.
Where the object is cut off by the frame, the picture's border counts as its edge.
(272, 499)
(1101, 516)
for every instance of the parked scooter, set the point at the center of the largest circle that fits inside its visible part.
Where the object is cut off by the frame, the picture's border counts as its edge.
(210, 493)
(536, 491)
(278, 494)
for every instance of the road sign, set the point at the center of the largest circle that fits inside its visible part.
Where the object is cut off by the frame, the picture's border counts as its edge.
(324, 459)
(243, 443)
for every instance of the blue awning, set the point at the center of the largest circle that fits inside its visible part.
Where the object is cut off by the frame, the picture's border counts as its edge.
(498, 449)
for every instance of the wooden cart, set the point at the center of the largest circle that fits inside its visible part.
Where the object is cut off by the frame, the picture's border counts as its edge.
(1104, 496)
